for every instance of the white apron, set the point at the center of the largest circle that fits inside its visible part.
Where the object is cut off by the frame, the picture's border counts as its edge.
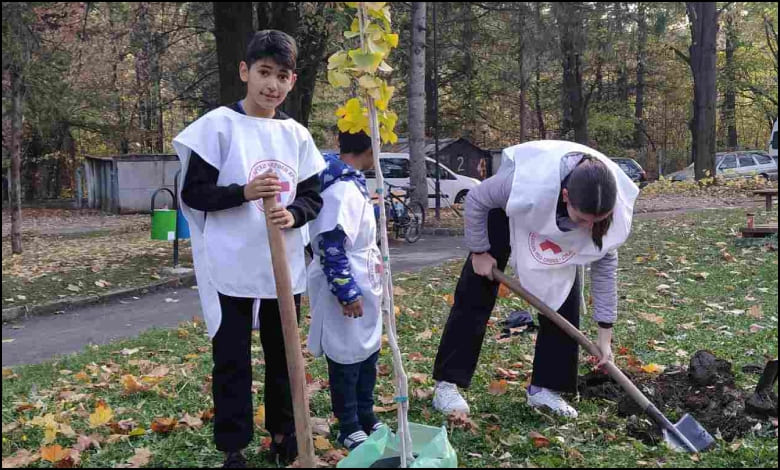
(545, 257)
(343, 339)
(230, 247)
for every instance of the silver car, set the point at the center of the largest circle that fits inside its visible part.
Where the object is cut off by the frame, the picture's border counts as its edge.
(742, 163)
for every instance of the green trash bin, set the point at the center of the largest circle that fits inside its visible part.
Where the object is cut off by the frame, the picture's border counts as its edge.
(163, 224)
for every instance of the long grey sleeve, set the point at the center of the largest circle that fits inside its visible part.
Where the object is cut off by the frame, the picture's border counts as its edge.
(603, 287)
(493, 193)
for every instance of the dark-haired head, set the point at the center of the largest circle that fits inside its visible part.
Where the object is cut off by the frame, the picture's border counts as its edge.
(276, 45)
(356, 150)
(590, 195)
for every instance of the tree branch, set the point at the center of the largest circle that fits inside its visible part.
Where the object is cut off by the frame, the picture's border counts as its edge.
(680, 54)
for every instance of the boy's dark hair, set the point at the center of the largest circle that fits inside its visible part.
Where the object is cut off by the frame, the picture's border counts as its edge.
(593, 190)
(277, 45)
(354, 143)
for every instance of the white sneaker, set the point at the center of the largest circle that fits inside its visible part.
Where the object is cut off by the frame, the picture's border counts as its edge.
(553, 401)
(447, 399)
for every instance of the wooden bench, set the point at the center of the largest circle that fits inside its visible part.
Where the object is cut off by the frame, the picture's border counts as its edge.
(759, 231)
(768, 194)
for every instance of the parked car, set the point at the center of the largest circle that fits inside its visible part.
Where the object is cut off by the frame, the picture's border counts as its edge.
(773, 142)
(741, 163)
(395, 169)
(633, 170)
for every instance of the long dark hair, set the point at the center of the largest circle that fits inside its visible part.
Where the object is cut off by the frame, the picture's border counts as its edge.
(593, 190)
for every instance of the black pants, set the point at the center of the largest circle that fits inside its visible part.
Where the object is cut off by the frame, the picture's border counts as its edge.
(352, 393)
(556, 357)
(232, 373)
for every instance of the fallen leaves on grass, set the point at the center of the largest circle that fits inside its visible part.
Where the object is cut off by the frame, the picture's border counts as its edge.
(498, 387)
(163, 425)
(653, 368)
(259, 417)
(538, 440)
(461, 420)
(140, 458)
(21, 458)
(320, 443)
(101, 416)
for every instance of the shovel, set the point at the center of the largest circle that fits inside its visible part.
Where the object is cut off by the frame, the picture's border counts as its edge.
(292, 342)
(687, 434)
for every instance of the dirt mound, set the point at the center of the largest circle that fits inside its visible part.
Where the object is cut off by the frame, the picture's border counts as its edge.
(706, 391)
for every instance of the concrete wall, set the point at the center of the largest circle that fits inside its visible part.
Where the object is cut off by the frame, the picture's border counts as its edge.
(139, 179)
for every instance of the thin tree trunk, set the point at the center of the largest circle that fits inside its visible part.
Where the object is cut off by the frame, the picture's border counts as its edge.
(572, 47)
(641, 58)
(417, 106)
(469, 106)
(538, 72)
(729, 96)
(521, 70)
(17, 91)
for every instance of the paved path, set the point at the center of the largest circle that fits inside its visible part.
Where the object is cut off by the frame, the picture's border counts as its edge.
(41, 338)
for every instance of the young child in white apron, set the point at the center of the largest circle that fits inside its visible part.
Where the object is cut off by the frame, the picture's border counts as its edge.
(233, 157)
(345, 288)
(555, 205)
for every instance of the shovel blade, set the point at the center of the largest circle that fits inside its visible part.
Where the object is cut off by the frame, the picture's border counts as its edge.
(692, 431)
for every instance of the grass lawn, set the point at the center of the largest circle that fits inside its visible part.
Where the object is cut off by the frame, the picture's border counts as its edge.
(712, 295)
(54, 267)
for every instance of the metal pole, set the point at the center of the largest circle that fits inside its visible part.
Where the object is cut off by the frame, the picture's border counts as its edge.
(176, 222)
(436, 115)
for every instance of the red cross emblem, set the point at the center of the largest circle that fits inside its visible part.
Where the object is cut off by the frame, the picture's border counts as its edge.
(548, 245)
(285, 189)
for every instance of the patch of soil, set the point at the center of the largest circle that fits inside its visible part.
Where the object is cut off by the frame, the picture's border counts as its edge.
(706, 391)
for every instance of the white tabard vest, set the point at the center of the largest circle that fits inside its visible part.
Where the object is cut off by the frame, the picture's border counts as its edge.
(546, 258)
(230, 247)
(343, 339)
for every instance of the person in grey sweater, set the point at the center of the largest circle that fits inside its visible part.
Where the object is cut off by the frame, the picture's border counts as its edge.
(488, 239)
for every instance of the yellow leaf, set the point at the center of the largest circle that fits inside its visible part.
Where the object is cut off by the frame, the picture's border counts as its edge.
(653, 368)
(139, 431)
(449, 299)
(131, 385)
(49, 434)
(338, 79)
(320, 443)
(366, 61)
(163, 425)
(101, 416)
(82, 376)
(260, 416)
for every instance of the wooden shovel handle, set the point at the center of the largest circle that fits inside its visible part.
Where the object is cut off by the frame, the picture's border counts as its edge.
(292, 343)
(568, 328)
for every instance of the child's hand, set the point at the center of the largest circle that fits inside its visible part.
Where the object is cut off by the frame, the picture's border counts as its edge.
(263, 185)
(281, 217)
(355, 309)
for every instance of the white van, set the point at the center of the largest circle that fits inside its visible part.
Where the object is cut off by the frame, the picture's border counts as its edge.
(773, 142)
(395, 169)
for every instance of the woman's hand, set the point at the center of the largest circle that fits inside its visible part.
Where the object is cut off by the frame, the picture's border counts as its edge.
(281, 217)
(605, 346)
(483, 264)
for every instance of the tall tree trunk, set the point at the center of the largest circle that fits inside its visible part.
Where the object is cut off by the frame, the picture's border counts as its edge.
(17, 91)
(308, 25)
(641, 58)
(538, 71)
(730, 93)
(572, 48)
(417, 106)
(704, 31)
(430, 82)
(521, 69)
(232, 29)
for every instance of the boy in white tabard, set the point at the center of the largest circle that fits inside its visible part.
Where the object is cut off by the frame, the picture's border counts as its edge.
(233, 157)
(345, 288)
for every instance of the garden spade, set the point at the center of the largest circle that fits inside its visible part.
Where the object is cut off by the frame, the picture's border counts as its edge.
(687, 434)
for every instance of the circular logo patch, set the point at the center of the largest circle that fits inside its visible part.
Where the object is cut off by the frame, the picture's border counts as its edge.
(287, 177)
(546, 251)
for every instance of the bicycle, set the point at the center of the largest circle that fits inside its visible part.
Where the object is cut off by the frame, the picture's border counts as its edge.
(408, 216)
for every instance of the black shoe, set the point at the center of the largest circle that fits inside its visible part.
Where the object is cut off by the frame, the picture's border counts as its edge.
(234, 460)
(287, 450)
